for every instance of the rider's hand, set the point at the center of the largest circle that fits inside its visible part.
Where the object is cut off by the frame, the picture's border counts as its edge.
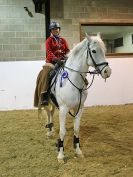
(54, 61)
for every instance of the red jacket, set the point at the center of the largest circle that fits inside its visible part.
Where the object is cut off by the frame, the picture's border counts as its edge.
(55, 49)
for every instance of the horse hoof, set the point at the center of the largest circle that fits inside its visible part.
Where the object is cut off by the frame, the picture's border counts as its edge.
(60, 157)
(49, 134)
(80, 155)
(61, 161)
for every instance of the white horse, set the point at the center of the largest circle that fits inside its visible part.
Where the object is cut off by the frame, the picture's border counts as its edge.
(70, 89)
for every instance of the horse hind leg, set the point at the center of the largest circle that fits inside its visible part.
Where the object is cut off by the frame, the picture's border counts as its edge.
(40, 116)
(50, 125)
(40, 112)
(76, 141)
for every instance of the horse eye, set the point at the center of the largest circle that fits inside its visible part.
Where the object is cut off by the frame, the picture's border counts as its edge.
(93, 51)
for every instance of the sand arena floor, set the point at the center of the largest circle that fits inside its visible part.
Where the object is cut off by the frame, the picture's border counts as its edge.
(106, 137)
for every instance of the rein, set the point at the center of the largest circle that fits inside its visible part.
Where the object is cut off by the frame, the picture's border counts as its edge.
(53, 83)
(80, 89)
(90, 72)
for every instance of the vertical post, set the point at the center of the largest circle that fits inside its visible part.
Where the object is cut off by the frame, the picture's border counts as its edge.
(47, 17)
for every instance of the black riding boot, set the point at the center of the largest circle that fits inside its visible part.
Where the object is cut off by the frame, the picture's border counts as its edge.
(45, 98)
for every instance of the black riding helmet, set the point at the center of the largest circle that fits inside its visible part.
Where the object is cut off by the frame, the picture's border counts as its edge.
(54, 25)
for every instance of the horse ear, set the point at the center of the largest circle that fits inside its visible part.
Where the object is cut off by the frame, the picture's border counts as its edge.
(99, 34)
(88, 37)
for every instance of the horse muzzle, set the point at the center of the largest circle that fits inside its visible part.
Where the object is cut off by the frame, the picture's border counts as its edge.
(106, 72)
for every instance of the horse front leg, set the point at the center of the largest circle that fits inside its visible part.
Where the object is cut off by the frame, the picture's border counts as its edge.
(76, 141)
(62, 120)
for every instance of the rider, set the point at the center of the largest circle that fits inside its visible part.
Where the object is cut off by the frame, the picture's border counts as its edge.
(56, 50)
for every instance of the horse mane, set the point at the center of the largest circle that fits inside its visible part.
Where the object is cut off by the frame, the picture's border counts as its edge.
(78, 47)
(82, 46)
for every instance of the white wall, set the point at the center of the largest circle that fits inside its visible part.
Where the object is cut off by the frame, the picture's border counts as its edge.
(18, 79)
(118, 89)
(17, 84)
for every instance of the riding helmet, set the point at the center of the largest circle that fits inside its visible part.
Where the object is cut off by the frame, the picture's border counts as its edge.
(54, 25)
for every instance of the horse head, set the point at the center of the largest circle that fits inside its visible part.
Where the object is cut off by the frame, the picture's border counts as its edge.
(96, 55)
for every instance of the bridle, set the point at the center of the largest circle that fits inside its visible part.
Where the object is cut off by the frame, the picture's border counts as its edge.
(104, 64)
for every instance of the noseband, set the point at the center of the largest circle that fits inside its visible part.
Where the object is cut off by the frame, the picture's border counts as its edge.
(95, 64)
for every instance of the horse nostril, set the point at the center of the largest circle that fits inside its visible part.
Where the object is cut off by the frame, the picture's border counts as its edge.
(105, 71)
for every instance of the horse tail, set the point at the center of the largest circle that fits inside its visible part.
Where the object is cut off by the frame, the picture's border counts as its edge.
(37, 89)
(36, 99)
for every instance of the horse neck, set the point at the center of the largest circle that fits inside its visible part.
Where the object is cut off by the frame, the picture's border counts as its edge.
(77, 63)
(77, 59)
(79, 67)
